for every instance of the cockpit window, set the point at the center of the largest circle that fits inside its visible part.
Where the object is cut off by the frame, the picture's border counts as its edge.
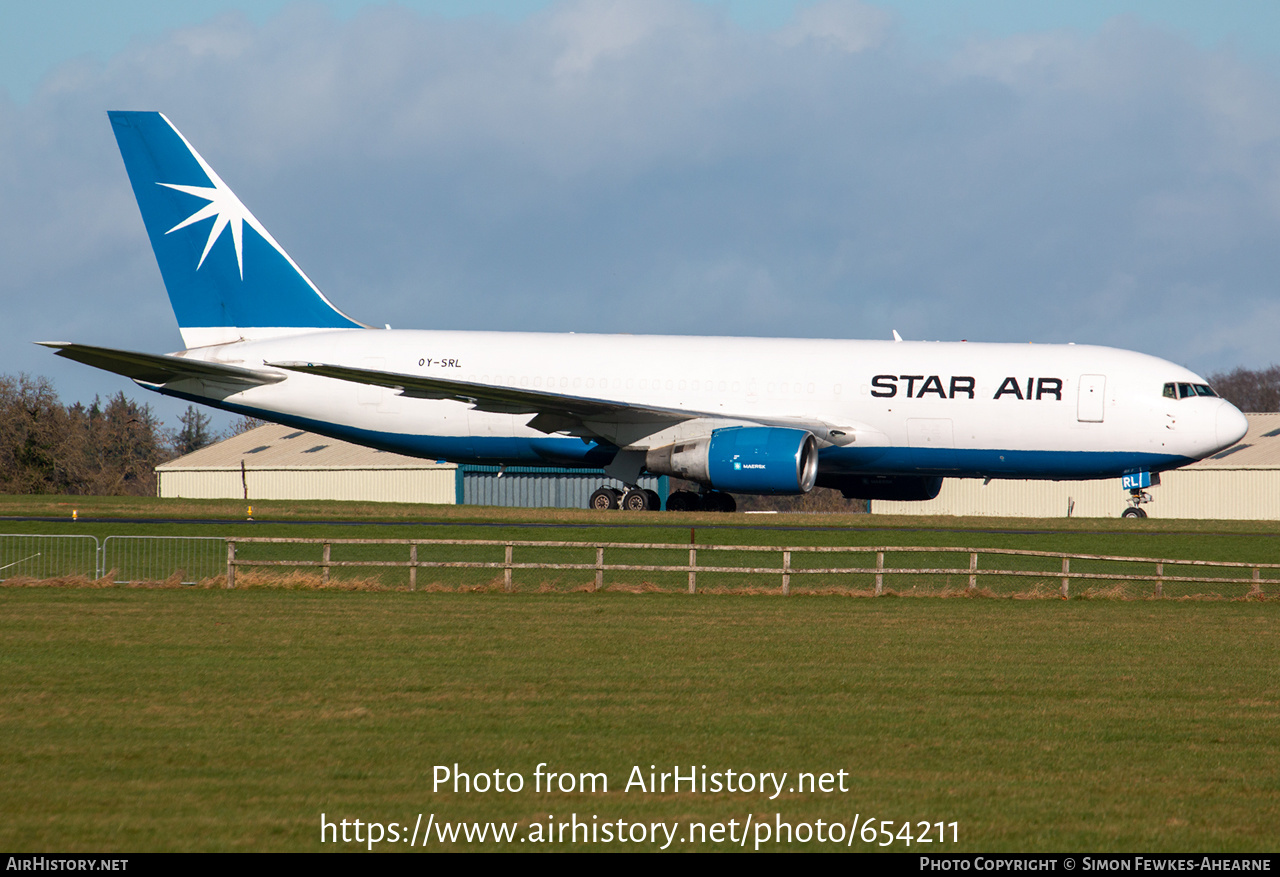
(1187, 391)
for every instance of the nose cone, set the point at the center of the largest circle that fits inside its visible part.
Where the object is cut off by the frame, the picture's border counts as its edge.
(1232, 425)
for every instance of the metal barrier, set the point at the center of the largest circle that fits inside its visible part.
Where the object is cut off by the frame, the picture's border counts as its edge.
(48, 557)
(191, 559)
(1158, 578)
(128, 558)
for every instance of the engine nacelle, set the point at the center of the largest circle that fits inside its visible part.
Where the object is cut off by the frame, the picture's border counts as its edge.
(899, 488)
(743, 459)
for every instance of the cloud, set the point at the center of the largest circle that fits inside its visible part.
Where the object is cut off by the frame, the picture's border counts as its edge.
(596, 30)
(847, 25)
(637, 166)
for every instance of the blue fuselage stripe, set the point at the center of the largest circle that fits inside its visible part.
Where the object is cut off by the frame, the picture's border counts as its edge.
(573, 452)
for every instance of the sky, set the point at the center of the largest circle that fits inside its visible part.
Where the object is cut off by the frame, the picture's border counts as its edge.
(1097, 172)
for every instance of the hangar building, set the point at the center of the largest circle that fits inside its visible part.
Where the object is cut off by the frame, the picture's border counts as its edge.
(278, 462)
(1239, 483)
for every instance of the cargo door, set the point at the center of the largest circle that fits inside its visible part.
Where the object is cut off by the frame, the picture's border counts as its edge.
(1090, 407)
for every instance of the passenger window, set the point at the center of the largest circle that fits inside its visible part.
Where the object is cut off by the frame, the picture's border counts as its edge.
(1185, 391)
(1170, 391)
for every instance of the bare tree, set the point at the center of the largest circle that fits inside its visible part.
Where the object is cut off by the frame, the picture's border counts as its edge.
(1249, 389)
(243, 425)
(46, 447)
(128, 443)
(194, 433)
(41, 448)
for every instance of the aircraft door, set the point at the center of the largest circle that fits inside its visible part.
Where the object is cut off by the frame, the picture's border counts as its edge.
(1090, 407)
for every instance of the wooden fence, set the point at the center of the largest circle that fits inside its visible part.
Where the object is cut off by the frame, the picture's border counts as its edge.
(786, 570)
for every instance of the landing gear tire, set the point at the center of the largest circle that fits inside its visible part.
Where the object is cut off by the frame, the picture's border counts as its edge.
(684, 501)
(717, 501)
(604, 498)
(655, 501)
(1137, 498)
(636, 500)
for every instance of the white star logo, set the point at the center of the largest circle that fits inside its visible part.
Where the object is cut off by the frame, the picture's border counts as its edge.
(227, 209)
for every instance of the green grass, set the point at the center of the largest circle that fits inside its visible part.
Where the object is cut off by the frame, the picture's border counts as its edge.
(1192, 540)
(123, 516)
(203, 719)
(215, 720)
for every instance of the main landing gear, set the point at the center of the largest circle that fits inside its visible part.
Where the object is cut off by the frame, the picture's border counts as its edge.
(636, 499)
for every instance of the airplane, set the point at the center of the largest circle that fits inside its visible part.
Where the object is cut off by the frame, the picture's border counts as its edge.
(873, 419)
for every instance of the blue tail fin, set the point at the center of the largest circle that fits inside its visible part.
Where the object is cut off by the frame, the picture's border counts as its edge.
(227, 277)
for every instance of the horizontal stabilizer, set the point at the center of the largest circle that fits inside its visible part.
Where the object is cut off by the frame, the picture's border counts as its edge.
(152, 368)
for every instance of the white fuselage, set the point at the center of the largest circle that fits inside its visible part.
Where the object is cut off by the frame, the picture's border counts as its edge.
(958, 409)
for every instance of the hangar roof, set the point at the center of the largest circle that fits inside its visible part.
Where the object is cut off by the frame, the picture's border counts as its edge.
(1259, 449)
(280, 447)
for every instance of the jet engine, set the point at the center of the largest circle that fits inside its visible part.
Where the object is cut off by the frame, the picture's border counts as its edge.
(743, 459)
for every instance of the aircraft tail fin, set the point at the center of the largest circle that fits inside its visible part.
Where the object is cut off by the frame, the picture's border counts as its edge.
(226, 276)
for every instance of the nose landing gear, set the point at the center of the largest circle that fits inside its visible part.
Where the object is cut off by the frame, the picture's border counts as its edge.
(1134, 482)
(1137, 497)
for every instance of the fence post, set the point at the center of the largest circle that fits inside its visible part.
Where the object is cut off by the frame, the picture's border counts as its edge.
(413, 567)
(693, 575)
(973, 565)
(1159, 578)
(506, 570)
(786, 573)
(1066, 579)
(1257, 581)
(879, 573)
(599, 567)
(324, 575)
(231, 563)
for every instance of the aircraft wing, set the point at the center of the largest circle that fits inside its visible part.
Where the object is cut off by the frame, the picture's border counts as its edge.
(559, 412)
(487, 397)
(152, 368)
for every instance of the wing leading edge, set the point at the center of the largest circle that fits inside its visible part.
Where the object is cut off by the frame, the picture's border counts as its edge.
(558, 412)
(497, 399)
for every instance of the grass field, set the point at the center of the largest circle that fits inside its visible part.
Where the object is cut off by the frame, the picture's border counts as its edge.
(206, 719)
(1257, 542)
